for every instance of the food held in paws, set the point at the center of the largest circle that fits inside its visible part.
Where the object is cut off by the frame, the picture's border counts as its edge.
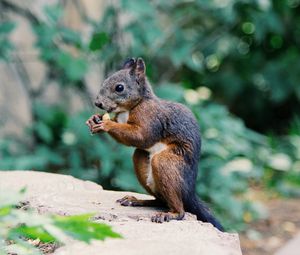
(106, 116)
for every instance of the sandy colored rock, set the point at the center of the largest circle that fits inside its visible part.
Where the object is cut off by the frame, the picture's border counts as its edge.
(291, 248)
(65, 195)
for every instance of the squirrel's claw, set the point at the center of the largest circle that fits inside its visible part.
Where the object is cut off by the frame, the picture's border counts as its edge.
(97, 128)
(128, 201)
(161, 217)
(94, 119)
(166, 217)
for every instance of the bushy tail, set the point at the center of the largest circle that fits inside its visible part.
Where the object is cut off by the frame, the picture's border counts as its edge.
(195, 206)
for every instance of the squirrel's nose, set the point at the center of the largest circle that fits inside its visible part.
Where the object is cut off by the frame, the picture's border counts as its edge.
(100, 105)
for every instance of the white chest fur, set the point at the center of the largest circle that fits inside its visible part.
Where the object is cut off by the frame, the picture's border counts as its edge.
(155, 149)
(123, 117)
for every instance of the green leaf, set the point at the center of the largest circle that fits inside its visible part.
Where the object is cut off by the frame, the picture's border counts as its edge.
(170, 91)
(79, 227)
(6, 45)
(7, 27)
(5, 48)
(70, 36)
(43, 131)
(179, 55)
(139, 7)
(31, 232)
(54, 12)
(75, 68)
(98, 41)
(29, 162)
(5, 211)
(46, 35)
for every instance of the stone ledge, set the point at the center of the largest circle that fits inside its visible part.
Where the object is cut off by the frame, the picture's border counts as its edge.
(66, 195)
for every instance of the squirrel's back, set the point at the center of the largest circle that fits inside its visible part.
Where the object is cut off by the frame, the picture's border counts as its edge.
(171, 122)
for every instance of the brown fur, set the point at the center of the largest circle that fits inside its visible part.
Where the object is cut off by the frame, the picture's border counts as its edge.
(140, 162)
(166, 167)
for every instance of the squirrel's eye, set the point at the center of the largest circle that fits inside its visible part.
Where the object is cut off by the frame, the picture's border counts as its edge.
(119, 88)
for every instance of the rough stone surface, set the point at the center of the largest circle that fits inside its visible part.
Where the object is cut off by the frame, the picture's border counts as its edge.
(291, 248)
(65, 195)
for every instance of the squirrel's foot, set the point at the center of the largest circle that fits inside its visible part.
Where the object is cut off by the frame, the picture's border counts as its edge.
(130, 201)
(166, 217)
(133, 201)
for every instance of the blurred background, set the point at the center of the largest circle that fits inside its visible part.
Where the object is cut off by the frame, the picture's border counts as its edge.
(236, 64)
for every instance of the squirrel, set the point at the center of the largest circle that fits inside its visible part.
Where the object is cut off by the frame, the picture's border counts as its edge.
(167, 139)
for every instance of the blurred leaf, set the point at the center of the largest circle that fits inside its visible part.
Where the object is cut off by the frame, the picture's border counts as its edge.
(43, 131)
(75, 68)
(140, 7)
(7, 27)
(79, 227)
(71, 36)
(6, 46)
(46, 36)
(30, 232)
(98, 40)
(170, 92)
(53, 12)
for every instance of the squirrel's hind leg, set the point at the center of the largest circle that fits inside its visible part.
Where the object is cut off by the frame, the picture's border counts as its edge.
(141, 161)
(168, 181)
(141, 166)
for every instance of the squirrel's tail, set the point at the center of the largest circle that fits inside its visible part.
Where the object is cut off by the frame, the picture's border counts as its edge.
(194, 205)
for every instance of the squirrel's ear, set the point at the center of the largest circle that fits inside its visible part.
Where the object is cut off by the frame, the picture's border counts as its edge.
(140, 69)
(129, 63)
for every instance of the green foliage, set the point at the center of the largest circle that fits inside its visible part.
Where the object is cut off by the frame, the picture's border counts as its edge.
(5, 44)
(242, 54)
(17, 226)
(247, 52)
(98, 41)
(282, 171)
(61, 47)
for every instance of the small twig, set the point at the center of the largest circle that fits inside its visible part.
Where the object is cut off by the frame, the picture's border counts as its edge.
(42, 86)
(22, 73)
(82, 11)
(17, 9)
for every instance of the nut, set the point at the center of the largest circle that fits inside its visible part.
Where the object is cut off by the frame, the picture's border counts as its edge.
(106, 116)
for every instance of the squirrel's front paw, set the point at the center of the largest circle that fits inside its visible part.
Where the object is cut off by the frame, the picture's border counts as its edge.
(93, 120)
(104, 125)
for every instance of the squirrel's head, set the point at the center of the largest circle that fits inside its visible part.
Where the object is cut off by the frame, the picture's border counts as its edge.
(124, 89)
